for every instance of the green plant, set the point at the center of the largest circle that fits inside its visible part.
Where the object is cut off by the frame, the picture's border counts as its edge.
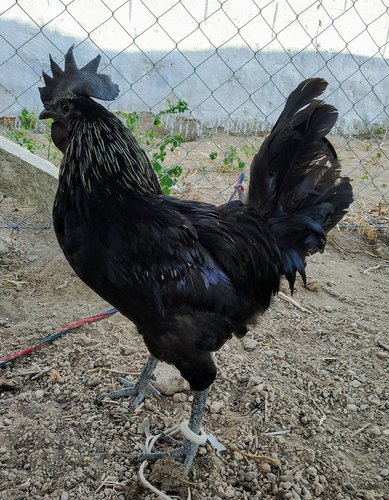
(131, 119)
(167, 175)
(249, 151)
(28, 120)
(21, 137)
(232, 158)
(379, 131)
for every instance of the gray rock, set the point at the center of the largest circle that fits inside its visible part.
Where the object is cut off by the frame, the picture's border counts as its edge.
(216, 406)
(249, 344)
(168, 380)
(375, 430)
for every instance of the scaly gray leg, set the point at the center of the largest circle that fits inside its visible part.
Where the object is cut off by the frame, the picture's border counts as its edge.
(187, 452)
(137, 390)
(196, 418)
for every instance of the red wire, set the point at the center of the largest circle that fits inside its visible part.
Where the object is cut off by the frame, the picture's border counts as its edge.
(57, 334)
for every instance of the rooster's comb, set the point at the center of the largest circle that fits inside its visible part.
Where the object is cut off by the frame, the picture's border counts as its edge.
(85, 81)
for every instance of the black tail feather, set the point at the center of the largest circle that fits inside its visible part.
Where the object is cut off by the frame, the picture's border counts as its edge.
(295, 179)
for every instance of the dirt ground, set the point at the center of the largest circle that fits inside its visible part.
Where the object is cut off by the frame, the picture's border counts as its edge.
(314, 372)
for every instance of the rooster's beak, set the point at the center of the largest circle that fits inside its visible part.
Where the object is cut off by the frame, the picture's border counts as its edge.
(45, 114)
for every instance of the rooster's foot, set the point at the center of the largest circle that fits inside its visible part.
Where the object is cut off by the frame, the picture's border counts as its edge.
(137, 390)
(184, 453)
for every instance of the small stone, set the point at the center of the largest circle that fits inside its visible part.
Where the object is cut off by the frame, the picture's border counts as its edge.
(24, 486)
(328, 308)
(39, 394)
(318, 489)
(7, 421)
(253, 381)
(93, 381)
(349, 487)
(143, 425)
(250, 476)
(382, 354)
(85, 339)
(249, 344)
(279, 355)
(313, 286)
(375, 430)
(3, 449)
(216, 406)
(238, 456)
(33, 257)
(229, 492)
(352, 407)
(305, 493)
(307, 455)
(3, 322)
(382, 252)
(265, 468)
(258, 389)
(384, 473)
(180, 397)
(355, 384)
(298, 475)
(126, 350)
(57, 391)
(312, 471)
(287, 485)
(8, 384)
(65, 495)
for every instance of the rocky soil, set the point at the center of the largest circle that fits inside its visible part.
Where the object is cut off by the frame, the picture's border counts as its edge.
(300, 404)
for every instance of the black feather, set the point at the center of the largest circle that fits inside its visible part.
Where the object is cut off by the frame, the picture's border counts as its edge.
(295, 180)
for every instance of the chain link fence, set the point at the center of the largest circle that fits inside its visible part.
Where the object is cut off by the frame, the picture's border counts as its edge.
(202, 82)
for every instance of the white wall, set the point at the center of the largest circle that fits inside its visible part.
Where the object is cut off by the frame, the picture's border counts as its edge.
(238, 60)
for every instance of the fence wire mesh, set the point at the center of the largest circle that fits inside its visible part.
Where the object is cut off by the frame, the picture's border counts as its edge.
(207, 80)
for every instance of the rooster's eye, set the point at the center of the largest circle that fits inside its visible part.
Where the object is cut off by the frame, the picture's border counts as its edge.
(65, 108)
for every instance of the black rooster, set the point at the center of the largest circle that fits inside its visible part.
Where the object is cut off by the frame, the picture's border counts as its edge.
(188, 274)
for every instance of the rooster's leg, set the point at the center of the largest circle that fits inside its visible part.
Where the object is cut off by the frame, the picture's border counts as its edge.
(194, 436)
(137, 390)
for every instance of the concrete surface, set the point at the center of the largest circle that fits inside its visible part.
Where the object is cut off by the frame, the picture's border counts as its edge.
(25, 176)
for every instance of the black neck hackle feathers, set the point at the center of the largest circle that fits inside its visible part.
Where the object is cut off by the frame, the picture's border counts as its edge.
(108, 157)
(190, 274)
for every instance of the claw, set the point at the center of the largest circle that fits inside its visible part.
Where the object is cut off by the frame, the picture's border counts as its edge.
(185, 453)
(152, 456)
(136, 390)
